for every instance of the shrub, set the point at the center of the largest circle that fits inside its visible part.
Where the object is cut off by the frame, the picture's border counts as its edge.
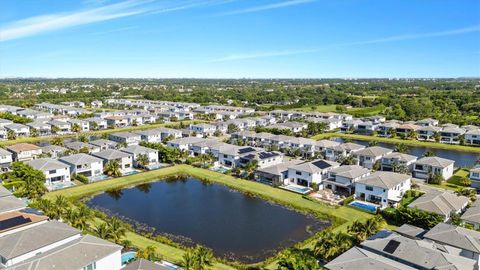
(82, 178)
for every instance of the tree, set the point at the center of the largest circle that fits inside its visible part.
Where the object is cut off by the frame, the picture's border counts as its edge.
(401, 148)
(34, 132)
(464, 181)
(112, 168)
(83, 138)
(55, 129)
(198, 258)
(31, 181)
(372, 143)
(347, 160)
(188, 260)
(329, 245)
(11, 135)
(295, 259)
(362, 230)
(412, 134)
(76, 128)
(392, 132)
(231, 128)
(94, 125)
(428, 153)
(58, 141)
(117, 228)
(103, 231)
(142, 160)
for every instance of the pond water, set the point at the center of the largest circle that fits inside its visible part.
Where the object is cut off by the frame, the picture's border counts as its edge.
(462, 159)
(236, 226)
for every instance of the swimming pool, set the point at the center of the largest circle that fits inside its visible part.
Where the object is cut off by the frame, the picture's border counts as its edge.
(100, 177)
(364, 205)
(297, 189)
(60, 185)
(131, 172)
(168, 265)
(128, 257)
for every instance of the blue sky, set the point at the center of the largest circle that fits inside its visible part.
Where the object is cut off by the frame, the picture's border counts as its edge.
(239, 38)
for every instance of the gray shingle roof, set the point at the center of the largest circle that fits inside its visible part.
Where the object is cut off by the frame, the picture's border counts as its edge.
(47, 164)
(435, 161)
(80, 158)
(315, 166)
(111, 154)
(442, 203)
(384, 179)
(31, 239)
(374, 151)
(137, 149)
(455, 236)
(11, 203)
(472, 215)
(142, 264)
(350, 171)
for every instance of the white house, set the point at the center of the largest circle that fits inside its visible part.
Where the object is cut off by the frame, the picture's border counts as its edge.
(136, 150)
(183, 144)
(342, 150)
(6, 159)
(84, 164)
(62, 127)
(428, 122)
(80, 146)
(475, 176)
(150, 135)
(443, 203)
(427, 166)
(382, 188)
(24, 151)
(123, 159)
(54, 170)
(427, 133)
(129, 138)
(451, 134)
(309, 172)
(104, 144)
(472, 137)
(203, 129)
(369, 156)
(97, 123)
(82, 124)
(19, 129)
(343, 178)
(116, 121)
(392, 161)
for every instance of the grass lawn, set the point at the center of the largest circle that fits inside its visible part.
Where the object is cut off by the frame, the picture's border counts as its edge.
(344, 216)
(92, 133)
(464, 148)
(318, 108)
(454, 182)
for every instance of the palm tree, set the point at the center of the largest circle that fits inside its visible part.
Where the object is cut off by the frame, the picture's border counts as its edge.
(203, 258)
(55, 129)
(58, 141)
(117, 228)
(112, 168)
(103, 231)
(392, 132)
(142, 160)
(412, 134)
(188, 260)
(401, 148)
(76, 128)
(94, 125)
(330, 245)
(295, 259)
(11, 135)
(428, 153)
(347, 160)
(148, 253)
(362, 231)
(34, 132)
(373, 143)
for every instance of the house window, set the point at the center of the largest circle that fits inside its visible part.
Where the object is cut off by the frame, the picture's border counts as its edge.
(298, 173)
(52, 171)
(369, 188)
(91, 266)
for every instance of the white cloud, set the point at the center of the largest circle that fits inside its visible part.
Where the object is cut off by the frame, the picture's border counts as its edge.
(255, 55)
(267, 7)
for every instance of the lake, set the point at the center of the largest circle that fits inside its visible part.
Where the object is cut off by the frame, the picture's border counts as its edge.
(462, 159)
(236, 226)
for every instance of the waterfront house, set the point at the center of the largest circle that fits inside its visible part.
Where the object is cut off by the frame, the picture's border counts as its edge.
(83, 124)
(183, 144)
(342, 150)
(142, 264)
(4, 122)
(349, 126)
(369, 156)
(475, 176)
(342, 179)
(54, 170)
(404, 130)
(443, 203)
(61, 127)
(128, 138)
(306, 146)
(97, 123)
(309, 172)
(322, 145)
(84, 164)
(116, 121)
(170, 133)
(18, 129)
(392, 161)
(277, 174)
(203, 146)
(123, 159)
(427, 133)
(42, 128)
(294, 127)
(366, 127)
(428, 122)
(451, 134)
(473, 137)
(203, 129)
(136, 150)
(150, 135)
(263, 158)
(428, 166)
(382, 188)
(384, 129)
(24, 151)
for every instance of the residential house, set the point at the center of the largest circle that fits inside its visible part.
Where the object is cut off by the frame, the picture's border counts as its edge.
(84, 164)
(18, 129)
(96, 104)
(366, 127)
(385, 129)
(406, 129)
(81, 147)
(457, 240)
(428, 166)
(294, 127)
(183, 144)
(6, 159)
(203, 146)
(427, 133)
(142, 264)
(54, 170)
(8, 204)
(309, 172)
(53, 151)
(443, 203)
(342, 179)
(5, 122)
(369, 156)
(342, 150)
(262, 158)
(97, 123)
(395, 160)
(203, 129)
(428, 122)
(134, 120)
(275, 175)
(128, 138)
(472, 137)
(150, 135)
(349, 126)
(116, 121)
(382, 188)
(322, 145)
(60, 127)
(83, 125)
(166, 133)
(136, 150)
(123, 159)
(24, 151)
(3, 134)
(104, 144)
(41, 128)
(475, 176)
(471, 217)
(451, 135)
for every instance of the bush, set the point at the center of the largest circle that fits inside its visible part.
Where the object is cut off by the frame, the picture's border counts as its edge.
(436, 179)
(348, 200)
(82, 178)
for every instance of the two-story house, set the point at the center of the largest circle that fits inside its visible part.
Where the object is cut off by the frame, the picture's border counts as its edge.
(123, 159)
(6, 159)
(393, 161)
(128, 138)
(369, 156)
(18, 129)
(342, 179)
(475, 176)
(426, 167)
(84, 164)
(342, 150)
(472, 137)
(54, 170)
(136, 151)
(306, 173)
(24, 151)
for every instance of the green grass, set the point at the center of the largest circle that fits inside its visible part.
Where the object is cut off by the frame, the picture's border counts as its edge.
(318, 108)
(342, 216)
(92, 133)
(454, 182)
(454, 147)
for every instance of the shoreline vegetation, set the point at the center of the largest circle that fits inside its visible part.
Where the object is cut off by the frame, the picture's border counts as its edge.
(339, 217)
(434, 145)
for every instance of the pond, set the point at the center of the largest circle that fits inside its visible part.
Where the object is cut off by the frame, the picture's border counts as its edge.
(236, 226)
(462, 158)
